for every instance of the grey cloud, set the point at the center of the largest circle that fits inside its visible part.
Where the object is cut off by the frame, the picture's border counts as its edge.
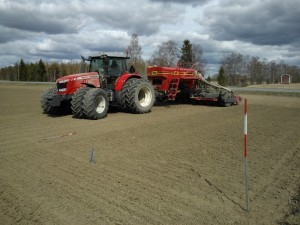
(144, 19)
(259, 22)
(38, 24)
(57, 17)
(10, 35)
(72, 46)
(38, 17)
(192, 2)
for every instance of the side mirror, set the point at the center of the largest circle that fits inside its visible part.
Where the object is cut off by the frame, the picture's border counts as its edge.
(132, 69)
(83, 59)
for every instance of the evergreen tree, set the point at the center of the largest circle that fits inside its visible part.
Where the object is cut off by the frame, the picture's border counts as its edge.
(22, 73)
(187, 56)
(15, 74)
(41, 71)
(32, 72)
(221, 77)
(209, 79)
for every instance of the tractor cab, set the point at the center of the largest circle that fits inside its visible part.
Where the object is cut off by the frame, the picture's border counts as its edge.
(110, 68)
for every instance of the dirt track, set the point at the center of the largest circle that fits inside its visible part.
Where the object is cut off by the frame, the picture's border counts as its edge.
(179, 164)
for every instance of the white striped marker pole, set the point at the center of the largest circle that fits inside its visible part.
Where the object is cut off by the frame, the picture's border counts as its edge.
(246, 154)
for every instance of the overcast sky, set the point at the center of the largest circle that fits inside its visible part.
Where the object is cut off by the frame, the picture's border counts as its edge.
(56, 30)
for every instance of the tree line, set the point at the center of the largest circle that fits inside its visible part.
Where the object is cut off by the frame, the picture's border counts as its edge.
(238, 69)
(235, 68)
(167, 54)
(38, 71)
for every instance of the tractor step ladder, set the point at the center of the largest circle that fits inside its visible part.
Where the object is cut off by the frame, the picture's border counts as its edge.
(173, 89)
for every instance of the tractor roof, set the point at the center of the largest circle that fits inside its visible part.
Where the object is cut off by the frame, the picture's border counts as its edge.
(110, 56)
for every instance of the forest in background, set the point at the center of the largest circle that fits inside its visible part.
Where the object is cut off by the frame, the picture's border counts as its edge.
(235, 68)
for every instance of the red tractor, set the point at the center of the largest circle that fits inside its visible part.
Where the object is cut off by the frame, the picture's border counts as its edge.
(108, 82)
(188, 85)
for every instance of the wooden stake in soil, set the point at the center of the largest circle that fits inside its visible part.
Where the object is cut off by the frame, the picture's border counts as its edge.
(246, 154)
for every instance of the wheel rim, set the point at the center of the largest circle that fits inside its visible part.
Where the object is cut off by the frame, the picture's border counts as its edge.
(100, 104)
(145, 96)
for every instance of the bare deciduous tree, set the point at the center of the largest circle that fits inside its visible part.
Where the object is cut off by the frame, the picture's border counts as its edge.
(234, 65)
(134, 48)
(199, 61)
(135, 53)
(167, 54)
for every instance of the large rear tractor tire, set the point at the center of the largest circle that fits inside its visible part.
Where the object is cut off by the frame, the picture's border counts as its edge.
(95, 104)
(137, 96)
(76, 103)
(63, 109)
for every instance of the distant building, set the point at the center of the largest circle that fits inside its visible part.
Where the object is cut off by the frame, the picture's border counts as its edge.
(285, 79)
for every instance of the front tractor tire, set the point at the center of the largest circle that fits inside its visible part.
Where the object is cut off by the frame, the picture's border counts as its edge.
(137, 96)
(95, 104)
(76, 103)
(63, 109)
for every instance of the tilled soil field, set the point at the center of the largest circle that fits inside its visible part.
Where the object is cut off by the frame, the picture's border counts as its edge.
(179, 164)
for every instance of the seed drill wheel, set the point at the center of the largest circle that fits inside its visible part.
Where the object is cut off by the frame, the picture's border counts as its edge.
(227, 104)
(95, 104)
(76, 103)
(137, 96)
(224, 100)
(64, 109)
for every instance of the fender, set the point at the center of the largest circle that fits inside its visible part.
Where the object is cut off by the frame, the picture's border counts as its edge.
(120, 82)
(69, 84)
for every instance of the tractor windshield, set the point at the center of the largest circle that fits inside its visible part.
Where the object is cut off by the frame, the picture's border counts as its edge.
(108, 66)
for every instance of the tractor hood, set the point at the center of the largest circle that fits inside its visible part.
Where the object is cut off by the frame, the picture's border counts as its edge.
(78, 76)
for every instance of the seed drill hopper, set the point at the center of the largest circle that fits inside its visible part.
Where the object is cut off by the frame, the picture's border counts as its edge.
(188, 85)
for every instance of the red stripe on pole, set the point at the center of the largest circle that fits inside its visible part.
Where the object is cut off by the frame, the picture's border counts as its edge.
(245, 155)
(245, 146)
(245, 129)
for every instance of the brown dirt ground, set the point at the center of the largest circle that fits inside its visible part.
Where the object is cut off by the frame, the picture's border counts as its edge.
(179, 164)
